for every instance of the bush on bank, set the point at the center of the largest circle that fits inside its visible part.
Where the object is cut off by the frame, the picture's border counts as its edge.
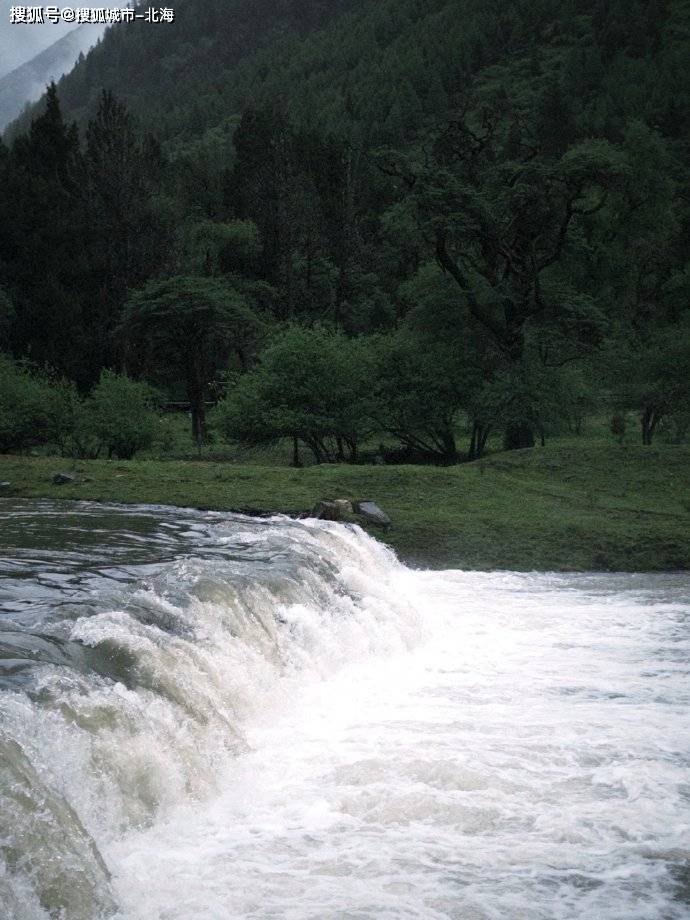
(117, 419)
(25, 407)
(383, 397)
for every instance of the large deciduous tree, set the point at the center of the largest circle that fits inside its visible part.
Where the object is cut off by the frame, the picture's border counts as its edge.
(191, 324)
(313, 386)
(501, 216)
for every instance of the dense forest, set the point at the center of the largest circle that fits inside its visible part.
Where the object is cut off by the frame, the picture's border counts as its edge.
(407, 223)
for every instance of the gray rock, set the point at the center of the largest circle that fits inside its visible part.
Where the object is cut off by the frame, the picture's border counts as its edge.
(64, 479)
(371, 512)
(332, 509)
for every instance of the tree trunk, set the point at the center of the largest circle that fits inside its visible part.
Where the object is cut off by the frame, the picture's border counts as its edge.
(480, 435)
(449, 447)
(347, 239)
(316, 447)
(483, 439)
(198, 421)
(296, 461)
(283, 167)
(650, 420)
(518, 437)
(473, 442)
(195, 391)
(353, 449)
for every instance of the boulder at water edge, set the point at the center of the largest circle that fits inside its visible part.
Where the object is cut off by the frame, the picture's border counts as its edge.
(332, 509)
(63, 479)
(371, 512)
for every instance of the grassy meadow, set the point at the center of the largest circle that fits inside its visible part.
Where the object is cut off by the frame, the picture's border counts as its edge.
(577, 504)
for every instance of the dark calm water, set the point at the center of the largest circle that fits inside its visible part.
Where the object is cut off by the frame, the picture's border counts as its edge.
(206, 717)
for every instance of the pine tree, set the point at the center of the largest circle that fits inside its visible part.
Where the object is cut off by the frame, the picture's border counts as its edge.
(126, 239)
(44, 240)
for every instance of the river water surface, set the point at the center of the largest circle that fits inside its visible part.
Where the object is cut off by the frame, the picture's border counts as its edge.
(207, 717)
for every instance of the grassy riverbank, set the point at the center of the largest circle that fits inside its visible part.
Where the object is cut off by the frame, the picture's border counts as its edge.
(569, 506)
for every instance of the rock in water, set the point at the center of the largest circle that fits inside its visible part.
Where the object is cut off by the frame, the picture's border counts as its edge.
(332, 509)
(5, 485)
(327, 511)
(371, 512)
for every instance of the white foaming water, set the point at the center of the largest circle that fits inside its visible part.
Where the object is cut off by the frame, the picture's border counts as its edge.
(287, 723)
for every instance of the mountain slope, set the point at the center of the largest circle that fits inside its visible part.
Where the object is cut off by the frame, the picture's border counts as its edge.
(21, 43)
(26, 83)
(383, 67)
(151, 67)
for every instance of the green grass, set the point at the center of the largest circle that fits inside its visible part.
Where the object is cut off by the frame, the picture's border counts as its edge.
(577, 505)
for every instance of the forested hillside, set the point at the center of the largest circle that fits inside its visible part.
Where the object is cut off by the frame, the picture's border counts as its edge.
(171, 72)
(413, 223)
(27, 82)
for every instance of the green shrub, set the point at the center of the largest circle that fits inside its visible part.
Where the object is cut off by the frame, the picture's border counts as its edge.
(69, 422)
(119, 416)
(311, 385)
(24, 407)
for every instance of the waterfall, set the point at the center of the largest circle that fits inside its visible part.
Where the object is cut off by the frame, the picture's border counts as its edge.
(206, 715)
(147, 676)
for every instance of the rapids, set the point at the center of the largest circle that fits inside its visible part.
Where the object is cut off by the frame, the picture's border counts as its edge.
(209, 717)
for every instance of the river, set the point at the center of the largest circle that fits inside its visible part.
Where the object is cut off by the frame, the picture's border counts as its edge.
(206, 717)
